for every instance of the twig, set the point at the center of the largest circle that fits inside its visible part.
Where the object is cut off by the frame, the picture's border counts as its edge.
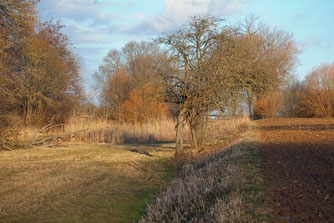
(50, 138)
(44, 128)
(6, 147)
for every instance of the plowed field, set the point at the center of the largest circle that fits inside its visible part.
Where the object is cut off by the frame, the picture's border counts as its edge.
(298, 167)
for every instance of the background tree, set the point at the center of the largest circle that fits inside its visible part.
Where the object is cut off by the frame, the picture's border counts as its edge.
(135, 66)
(40, 75)
(316, 96)
(290, 99)
(17, 20)
(144, 104)
(115, 91)
(268, 60)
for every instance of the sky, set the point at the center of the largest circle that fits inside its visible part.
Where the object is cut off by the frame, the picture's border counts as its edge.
(97, 26)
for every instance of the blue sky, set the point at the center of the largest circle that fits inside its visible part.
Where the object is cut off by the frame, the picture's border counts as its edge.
(97, 26)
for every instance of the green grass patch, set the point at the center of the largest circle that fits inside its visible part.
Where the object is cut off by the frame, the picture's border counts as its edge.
(252, 185)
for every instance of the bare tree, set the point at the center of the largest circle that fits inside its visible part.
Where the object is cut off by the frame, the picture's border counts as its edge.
(115, 91)
(290, 99)
(189, 84)
(136, 65)
(216, 66)
(40, 76)
(269, 57)
(316, 96)
(269, 106)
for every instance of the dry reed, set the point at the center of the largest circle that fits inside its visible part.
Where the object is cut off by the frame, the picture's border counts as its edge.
(115, 133)
(101, 131)
(228, 126)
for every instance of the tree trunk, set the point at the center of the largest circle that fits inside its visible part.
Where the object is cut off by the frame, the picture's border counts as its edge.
(194, 136)
(234, 108)
(179, 130)
(119, 112)
(27, 114)
(251, 108)
(198, 129)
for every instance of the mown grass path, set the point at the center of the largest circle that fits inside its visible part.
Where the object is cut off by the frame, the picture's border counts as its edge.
(82, 182)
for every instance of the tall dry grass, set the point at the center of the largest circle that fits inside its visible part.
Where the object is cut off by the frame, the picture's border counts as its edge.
(102, 131)
(228, 126)
(113, 132)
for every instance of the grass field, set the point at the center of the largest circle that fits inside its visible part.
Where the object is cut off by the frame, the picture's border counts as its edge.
(82, 182)
(100, 182)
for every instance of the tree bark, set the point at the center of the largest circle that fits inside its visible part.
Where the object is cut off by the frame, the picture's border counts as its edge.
(234, 108)
(251, 108)
(198, 130)
(179, 130)
(194, 136)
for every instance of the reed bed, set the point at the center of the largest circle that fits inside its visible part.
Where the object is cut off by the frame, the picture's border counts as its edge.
(111, 132)
(115, 133)
(228, 126)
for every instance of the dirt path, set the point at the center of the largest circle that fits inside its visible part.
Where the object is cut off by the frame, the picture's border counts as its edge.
(298, 167)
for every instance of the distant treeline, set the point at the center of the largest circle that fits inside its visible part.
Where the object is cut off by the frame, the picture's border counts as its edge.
(313, 97)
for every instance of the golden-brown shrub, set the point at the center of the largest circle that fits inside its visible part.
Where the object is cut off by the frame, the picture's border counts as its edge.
(269, 106)
(144, 103)
(316, 97)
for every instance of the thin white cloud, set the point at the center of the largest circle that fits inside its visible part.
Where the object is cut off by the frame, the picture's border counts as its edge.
(86, 21)
(89, 11)
(176, 13)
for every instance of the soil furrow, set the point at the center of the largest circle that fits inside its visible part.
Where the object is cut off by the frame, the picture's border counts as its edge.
(298, 167)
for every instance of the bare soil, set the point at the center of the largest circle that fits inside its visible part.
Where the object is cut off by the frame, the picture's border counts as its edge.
(298, 168)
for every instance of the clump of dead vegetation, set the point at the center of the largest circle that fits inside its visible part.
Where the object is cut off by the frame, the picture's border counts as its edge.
(205, 191)
(104, 131)
(8, 135)
(161, 130)
(228, 126)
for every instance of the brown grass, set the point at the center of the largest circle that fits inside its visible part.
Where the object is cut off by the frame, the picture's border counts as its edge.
(225, 127)
(149, 132)
(81, 182)
(100, 131)
(113, 183)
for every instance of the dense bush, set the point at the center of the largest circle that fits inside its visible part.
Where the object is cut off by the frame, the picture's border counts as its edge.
(269, 106)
